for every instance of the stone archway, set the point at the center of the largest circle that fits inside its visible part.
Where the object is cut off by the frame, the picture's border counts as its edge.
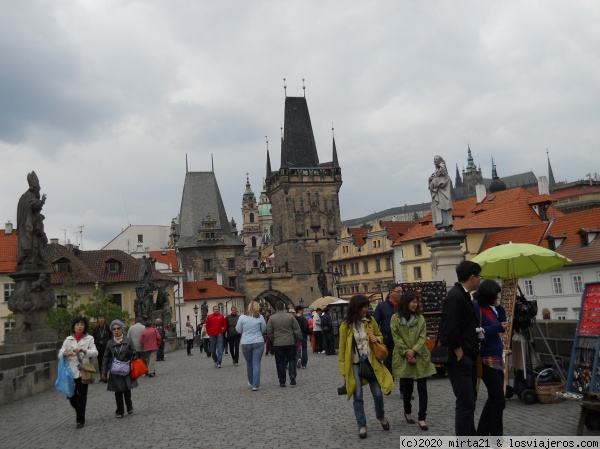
(268, 298)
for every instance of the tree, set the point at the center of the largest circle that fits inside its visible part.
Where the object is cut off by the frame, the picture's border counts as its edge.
(100, 302)
(61, 318)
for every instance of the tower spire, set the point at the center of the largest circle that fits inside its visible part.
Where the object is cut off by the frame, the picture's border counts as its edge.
(212, 163)
(335, 161)
(186, 163)
(458, 179)
(284, 88)
(551, 181)
(303, 88)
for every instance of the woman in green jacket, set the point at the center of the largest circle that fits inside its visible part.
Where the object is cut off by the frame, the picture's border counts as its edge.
(359, 327)
(411, 357)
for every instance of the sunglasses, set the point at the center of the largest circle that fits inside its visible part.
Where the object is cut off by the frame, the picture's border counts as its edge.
(116, 329)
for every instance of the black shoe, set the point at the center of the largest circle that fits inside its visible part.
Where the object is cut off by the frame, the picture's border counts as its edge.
(79, 425)
(410, 420)
(386, 425)
(362, 435)
(423, 426)
(129, 411)
(292, 380)
(282, 385)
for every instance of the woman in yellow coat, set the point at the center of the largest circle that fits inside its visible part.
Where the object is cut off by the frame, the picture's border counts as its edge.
(364, 331)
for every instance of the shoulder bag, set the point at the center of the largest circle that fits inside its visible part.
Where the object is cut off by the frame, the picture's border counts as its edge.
(118, 367)
(380, 351)
(87, 370)
(442, 354)
(365, 369)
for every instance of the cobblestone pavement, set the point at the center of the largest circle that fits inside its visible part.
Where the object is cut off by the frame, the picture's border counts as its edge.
(191, 404)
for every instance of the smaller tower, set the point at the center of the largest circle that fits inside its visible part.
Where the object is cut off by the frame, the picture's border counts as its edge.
(251, 232)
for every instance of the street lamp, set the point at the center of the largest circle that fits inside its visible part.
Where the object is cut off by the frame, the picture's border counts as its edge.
(336, 279)
(196, 314)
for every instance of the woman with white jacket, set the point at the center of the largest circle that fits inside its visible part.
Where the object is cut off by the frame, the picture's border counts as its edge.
(79, 342)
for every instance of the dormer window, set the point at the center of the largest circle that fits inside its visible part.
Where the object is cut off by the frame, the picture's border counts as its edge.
(554, 241)
(113, 266)
(587, 235)
(62, 265)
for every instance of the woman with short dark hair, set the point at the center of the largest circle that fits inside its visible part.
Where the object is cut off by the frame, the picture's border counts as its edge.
(79, 343)
(357, 334)
(490, 316)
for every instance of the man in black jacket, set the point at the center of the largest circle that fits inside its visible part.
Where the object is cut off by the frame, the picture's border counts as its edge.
(102, 334)
(327, 328)
(457, 331)
(303, 323)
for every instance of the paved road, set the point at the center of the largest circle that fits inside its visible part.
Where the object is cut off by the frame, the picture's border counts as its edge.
(192, 404)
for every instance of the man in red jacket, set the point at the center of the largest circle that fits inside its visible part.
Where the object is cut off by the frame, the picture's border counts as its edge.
(216, 326)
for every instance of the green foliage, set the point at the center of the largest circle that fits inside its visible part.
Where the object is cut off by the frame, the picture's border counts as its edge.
(60, 318)
(100, 302)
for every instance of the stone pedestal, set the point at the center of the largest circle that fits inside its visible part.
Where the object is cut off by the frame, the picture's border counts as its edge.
(32, 298)
(446, 254)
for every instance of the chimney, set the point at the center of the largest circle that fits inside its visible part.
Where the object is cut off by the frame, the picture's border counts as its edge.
(54, 241)
(480, 192)
(543, 188)
(8, 228)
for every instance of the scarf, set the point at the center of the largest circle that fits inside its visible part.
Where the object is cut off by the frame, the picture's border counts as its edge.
(78, 336)
(410, 322)
(118, 340)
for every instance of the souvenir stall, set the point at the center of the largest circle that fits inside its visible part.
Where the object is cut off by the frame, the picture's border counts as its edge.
(583, 382)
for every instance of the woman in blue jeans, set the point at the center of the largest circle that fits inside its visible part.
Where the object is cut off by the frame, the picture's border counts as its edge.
(493, 322)
(252, 327)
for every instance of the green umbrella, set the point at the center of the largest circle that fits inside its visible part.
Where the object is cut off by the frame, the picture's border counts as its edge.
(518, 260)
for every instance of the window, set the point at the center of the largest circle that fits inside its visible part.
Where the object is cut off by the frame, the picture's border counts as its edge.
(418, 251)
(231, 264)
(140, 238)
(251, 218)
(221, 308)
(232, 281)
(417, 272)
(528, 287)
(377, 265)
(365, 268)
(318, 259)
(8, 325)
(116, 299)
(61, 301)
(113, 267)
(62, 267)
(365, 287)
(577, 283)
(388, 264)
(207, 264)
(253, 242)
(557, 285)
(8, 289)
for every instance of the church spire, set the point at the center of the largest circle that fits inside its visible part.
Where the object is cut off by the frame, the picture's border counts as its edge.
(551, 181)
(494, 174)
(335, 162)
(268, 165)
(458, 179)
(298, 148)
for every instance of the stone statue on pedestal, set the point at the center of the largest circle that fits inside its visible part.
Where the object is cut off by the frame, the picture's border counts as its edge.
(204, 310)
(33, 295)
(440, 186)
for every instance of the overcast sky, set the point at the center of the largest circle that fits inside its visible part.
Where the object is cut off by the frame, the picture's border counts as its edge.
(104, 98)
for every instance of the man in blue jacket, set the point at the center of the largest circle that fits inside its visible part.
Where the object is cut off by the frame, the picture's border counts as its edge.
(457, 331)
(383, 316)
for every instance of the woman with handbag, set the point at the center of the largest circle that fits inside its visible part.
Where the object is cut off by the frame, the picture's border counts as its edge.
(410, 359)
(117, 358)
(358, 332)
(79, 343)
(492, 321)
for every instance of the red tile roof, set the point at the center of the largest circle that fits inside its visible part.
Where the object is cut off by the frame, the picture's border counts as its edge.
(168, 257)
(566, 224)
(396, 229)
(93, 268)
(8, 252)
(358, 235)
(506, 209)
(208, 290)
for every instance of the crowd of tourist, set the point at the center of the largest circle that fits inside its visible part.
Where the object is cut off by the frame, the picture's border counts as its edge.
(374, 349)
